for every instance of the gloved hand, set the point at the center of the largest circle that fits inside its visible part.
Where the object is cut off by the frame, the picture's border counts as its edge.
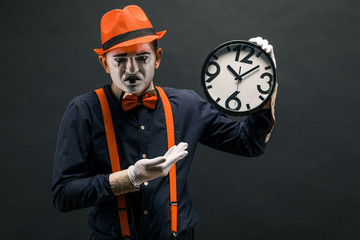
(264, 44)
(268, 48)
(148, 169)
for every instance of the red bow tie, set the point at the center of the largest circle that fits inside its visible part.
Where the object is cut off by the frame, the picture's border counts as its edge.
(148, 100)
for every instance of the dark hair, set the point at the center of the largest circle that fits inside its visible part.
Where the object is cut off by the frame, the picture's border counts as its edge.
(154, 44)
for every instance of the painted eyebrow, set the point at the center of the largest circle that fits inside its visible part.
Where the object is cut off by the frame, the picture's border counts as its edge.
(120, 55)
(143, 53)
(125, 54)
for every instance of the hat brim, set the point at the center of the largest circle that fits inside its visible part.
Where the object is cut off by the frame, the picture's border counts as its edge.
(140, 40)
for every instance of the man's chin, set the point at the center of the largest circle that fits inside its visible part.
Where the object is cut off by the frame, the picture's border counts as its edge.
(135, 89)
(139, 90)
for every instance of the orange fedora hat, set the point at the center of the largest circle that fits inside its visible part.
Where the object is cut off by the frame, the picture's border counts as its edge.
(125, 27)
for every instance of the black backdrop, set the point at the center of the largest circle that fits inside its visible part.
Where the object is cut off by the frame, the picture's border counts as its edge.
(306, 185)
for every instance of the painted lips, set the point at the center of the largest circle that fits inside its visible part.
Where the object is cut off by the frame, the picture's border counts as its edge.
(132, 79)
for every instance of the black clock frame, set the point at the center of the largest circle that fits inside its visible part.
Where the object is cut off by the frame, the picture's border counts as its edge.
(206, 63)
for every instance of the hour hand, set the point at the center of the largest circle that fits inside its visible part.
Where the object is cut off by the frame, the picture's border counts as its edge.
(237, 76)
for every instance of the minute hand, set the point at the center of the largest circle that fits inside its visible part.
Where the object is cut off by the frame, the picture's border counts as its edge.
(245, 73)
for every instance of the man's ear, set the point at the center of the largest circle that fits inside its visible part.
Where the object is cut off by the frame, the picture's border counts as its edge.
(103, 62)
(158, 57)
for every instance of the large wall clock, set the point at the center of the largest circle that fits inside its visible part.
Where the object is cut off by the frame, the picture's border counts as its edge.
(238, 77)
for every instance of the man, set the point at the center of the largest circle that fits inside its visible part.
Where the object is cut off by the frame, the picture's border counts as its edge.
(85, 174)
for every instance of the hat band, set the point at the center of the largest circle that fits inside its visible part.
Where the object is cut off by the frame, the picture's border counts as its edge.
(128, 36)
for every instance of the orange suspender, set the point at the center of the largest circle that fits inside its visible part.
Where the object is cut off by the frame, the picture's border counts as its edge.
(114, 158)
(115, 162)
(172, 174)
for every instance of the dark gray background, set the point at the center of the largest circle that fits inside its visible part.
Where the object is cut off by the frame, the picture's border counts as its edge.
(306, 185)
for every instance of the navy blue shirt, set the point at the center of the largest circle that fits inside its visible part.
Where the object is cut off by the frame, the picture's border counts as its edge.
(82, 163)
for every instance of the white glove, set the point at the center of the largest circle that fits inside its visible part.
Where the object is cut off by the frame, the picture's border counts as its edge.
(264, 44)
(148, 169)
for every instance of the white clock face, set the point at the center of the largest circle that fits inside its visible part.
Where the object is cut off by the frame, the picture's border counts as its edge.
(238, 77)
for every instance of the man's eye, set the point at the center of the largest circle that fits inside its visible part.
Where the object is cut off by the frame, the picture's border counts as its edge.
(120, 60)
(142, 58)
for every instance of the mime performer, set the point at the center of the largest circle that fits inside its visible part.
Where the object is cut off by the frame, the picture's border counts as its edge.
(126, 149)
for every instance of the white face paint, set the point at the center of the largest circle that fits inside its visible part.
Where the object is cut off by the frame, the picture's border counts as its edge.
(132, 68)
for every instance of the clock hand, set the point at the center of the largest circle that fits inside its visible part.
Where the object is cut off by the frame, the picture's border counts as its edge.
(237, 89)
(253, 69)
(233, 72)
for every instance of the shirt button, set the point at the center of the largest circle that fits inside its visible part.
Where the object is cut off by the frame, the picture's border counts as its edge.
(146, 183)
(146, 212)
(142, 127)
(144, 155)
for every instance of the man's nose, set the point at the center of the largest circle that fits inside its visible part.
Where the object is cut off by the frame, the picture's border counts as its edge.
(131, 65)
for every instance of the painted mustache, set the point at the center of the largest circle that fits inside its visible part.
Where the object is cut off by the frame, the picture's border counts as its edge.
(132, 78)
